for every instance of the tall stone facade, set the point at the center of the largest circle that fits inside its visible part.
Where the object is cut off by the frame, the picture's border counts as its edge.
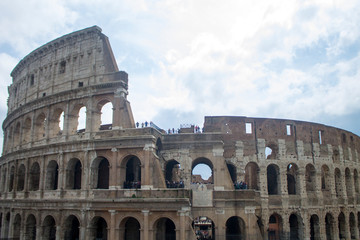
(120, 181)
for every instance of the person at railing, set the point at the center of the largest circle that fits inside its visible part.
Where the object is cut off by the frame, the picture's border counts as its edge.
(173, 184)
(241, 185)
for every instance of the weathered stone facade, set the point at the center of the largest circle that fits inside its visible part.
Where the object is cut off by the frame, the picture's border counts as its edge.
(111, 182)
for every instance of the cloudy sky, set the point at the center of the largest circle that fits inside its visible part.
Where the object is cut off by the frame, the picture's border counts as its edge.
(188, 59)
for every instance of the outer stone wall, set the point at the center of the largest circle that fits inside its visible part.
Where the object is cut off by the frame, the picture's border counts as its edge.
(117, 181)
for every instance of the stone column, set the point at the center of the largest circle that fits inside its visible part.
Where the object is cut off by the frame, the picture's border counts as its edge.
(113, 173)
(58, 231)
(145, 230)
(112, 224)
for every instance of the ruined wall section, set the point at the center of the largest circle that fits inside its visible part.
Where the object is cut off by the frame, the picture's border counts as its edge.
(77, 59)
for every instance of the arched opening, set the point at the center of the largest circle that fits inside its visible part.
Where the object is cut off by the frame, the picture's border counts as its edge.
(27, 131)
(71, 228)
(235, 229)
(17, 135)
(329, 226)
(356, 181)
(17, 227)
(56, 124)
(310, 178)
(271, 151)
(292, 175)
(352, 224)
(98, 229)
(106, 115)
(204, 228)
(314, 228)
(49, 228)
(158, 146)
(338, 187)
(40, 126)
(21, 178)
(295, 227)
(34, 177)
(73, 174)
(202, 171)
(348, 183)
(275, 227)
(131, 228)
(273, 181)
(7, 225)
(164, 229)
(52, 175)
(30, 228)
(81, 119)
(132, 172)
(172, 175)
(252, 176)
(11, 178)
(342, 226)
(325, 178)
(232, 171)
(100, 173)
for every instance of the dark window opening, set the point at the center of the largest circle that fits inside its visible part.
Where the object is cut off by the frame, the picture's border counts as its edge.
(62, 67)
(81, 84)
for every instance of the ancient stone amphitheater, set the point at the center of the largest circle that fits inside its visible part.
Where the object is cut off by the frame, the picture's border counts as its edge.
(120, 181)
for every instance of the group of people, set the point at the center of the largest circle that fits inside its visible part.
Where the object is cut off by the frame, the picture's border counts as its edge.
(173, 131)
(174, 184)
(144, 124)
(132, 185)
(240, 185)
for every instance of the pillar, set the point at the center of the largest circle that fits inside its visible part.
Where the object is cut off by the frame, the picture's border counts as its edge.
(144, 235)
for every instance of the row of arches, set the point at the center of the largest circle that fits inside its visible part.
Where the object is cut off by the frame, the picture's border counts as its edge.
(333, 227)
(57, 121)
(19, 178)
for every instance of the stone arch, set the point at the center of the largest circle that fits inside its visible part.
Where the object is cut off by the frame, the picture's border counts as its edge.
(131, 172)
(203, 225)
(232, 171)
(275, 227)
(3, 179)
(252, 176)
(17, 134)
(52, 175)
(130, 229)
(34, 180)
(27, 130)
(235, 228)
(105, 117)
(338, 185)
(356, 181)
(55, 129)
(77, 119)
(329, 226)
(30, 227)
(21, 178)
(172, 174)
(71, 228)
(314, 227)
(310, 178)
(348, 183)
(74, 174)
(292, 174)
(100, 171)
(273, 179)
(16, 226)
(11, 179)
(208, 164)
(98, 228)
(7, 225)
(342, 226)
(325, 178)
(164, 229)
(49, 228)
(352, 225)
(40, 126)
(296, 227)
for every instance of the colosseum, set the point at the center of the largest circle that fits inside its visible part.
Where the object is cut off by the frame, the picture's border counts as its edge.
(270, 178)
